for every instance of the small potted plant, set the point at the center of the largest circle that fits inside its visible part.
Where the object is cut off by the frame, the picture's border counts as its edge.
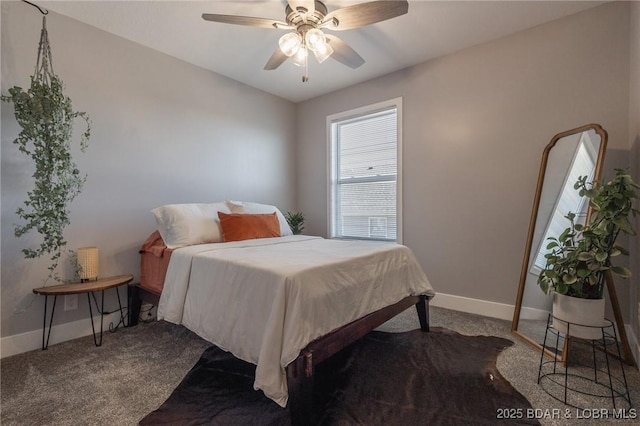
(581, 256)
(296, 222)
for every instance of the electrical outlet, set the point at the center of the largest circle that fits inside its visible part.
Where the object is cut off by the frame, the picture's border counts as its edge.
(70, 302)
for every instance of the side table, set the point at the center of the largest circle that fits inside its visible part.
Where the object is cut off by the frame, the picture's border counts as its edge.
(88, 287)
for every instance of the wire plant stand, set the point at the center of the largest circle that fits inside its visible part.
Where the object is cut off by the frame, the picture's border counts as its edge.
(589, 379)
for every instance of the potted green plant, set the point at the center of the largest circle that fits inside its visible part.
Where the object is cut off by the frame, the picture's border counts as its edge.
(581, 256)
(296, 222)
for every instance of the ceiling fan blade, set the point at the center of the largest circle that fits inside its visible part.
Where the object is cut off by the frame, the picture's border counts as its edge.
(308, 5)
(362, 14)
(276, 60)
(343, 53)
(245, 20)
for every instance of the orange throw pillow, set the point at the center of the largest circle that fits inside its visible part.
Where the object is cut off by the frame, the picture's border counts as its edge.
(242, 226)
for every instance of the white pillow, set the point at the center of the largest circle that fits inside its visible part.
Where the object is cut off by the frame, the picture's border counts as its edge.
(256, 208)
(183, 225)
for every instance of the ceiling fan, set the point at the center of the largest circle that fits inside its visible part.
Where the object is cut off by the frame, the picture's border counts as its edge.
(306, 19)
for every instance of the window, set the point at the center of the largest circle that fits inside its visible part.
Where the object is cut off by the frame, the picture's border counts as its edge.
(365, 152)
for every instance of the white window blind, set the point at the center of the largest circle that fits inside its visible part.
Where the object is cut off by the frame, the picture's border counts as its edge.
(364, 155)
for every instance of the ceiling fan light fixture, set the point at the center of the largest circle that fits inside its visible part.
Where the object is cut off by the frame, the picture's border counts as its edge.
(300, 57)
(307, 18)
(290, 44)
(315, 39)
(317, 43)
(323, 52)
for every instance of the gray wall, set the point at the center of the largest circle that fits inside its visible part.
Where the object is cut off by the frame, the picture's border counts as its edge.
(164, 131)
(475, 125)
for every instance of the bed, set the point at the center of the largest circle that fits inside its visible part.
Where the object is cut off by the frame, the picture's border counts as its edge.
(284, 303)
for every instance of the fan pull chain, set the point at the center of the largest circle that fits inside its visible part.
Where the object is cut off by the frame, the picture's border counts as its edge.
(305, 69)
(305, 63)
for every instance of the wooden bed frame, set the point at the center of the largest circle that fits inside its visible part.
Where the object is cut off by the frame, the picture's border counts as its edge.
(300, 371)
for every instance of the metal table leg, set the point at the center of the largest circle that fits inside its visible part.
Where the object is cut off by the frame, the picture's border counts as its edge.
(101, 311)
(122, 321)
(45, 344)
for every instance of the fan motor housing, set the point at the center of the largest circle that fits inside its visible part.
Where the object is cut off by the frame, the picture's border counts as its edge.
(301, 16)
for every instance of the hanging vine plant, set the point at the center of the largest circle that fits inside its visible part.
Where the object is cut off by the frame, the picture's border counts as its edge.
(46, 117)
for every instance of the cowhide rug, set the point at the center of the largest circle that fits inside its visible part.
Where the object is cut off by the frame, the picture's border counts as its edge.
(411, 378)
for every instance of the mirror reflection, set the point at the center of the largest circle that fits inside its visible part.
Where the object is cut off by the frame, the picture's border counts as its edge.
(569, 155)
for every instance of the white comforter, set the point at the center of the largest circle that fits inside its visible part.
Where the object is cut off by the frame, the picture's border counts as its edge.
(264, 300)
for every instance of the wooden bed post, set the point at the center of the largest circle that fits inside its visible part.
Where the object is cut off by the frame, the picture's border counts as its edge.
(300, 386)
(134, 303)
(136, 296)
(423, 312)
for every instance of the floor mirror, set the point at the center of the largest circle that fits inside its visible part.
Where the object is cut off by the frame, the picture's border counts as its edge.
(576, 152)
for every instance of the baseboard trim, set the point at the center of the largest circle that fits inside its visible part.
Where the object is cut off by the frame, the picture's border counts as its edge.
(32, 340)
(473, 306)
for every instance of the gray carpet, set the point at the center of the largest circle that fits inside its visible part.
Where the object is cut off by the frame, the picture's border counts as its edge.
(136, 369)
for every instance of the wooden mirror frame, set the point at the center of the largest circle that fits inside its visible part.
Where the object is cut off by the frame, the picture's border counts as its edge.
(627, 354)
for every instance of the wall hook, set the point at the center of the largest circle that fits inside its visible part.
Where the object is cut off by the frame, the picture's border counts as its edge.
(43, 11)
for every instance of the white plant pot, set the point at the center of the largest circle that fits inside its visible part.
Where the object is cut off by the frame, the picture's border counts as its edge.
(572, 314)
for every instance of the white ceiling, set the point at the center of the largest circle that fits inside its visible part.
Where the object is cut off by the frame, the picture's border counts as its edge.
(429, 30)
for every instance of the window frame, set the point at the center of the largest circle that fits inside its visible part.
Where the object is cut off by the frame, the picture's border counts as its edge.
(332, 163)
